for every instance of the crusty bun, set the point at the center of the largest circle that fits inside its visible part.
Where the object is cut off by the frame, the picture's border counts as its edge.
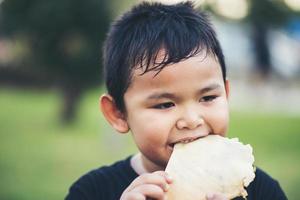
(212, 164)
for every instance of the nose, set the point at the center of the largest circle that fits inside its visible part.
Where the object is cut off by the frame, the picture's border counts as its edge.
(191, 119)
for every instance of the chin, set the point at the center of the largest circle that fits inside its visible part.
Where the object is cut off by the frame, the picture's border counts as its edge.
(158, 160)
(160, 164)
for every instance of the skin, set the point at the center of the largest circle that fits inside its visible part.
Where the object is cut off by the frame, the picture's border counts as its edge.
(186, 100)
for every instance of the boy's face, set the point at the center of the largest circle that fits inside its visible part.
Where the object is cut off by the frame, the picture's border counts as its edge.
(184, 102)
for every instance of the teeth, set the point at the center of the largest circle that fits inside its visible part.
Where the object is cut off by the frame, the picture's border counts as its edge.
(187, 141)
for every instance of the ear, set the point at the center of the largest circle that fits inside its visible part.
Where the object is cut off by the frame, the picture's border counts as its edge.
(112, 114)
(227, 88)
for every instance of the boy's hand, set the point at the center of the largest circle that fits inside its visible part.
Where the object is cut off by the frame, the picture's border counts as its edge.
(148, 186)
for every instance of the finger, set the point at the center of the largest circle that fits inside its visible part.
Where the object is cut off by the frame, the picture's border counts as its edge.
(154, 178)
(150, 191)
(165, 175)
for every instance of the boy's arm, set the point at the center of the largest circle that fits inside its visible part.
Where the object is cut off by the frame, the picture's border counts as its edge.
(84, 188)
(76, 194)
(264, 187)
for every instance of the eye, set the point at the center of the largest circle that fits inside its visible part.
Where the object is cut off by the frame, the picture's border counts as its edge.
(164, 105)
(208, 98)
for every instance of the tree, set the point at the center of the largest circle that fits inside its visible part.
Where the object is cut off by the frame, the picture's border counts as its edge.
(263, 15)
(64, 39)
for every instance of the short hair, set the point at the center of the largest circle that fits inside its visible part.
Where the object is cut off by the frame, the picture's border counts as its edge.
(136, 38)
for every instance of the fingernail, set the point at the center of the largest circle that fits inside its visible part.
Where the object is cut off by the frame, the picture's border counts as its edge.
(166, 187)
(169, 177)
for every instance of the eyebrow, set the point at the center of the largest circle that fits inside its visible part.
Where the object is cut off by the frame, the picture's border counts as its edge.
(214, 86)
(166, 95)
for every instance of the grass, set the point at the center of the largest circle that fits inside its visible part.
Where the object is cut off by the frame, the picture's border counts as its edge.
(40, 158)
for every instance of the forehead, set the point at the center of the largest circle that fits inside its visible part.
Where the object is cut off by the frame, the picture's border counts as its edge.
(197, 70)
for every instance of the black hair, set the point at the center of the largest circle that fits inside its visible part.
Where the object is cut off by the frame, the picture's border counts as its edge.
(136, 38)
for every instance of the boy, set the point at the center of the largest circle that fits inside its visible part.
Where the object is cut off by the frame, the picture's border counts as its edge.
(166, 80)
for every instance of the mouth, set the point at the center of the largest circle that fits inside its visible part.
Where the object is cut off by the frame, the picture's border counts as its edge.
(184, 141)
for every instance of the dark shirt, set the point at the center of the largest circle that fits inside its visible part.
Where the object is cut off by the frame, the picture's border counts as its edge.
(109, 182)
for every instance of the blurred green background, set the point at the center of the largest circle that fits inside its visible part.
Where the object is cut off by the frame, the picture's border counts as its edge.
(51, 129)
(40, 158)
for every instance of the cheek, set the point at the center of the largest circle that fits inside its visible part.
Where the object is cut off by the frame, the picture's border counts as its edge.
(219, 120)
(150, 127)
